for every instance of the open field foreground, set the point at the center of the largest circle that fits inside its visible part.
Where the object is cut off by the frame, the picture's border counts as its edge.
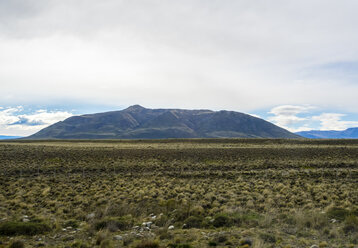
(179, 193)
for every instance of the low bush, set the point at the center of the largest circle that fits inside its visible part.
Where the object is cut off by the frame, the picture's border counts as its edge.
(17, 244)
(222, 220)
(350, 224)
(194, 222)
(148, 244)
(268, 237)
(338, 213)
(71, 223)
(180, 246)
(23, 228)
(114, 223)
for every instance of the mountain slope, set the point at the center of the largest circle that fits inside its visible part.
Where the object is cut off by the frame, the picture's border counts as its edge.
(350, 133)
(137, 122)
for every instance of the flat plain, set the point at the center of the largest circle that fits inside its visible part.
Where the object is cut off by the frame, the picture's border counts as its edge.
(179, 193)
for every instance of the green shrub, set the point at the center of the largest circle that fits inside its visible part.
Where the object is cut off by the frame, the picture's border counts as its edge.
(106, 244)
(194, 222)
(222, 220)
(212, 243)
(114, 223)
(71, 223)
(350, 224)
(79, 244)
(180, 246)
(164, 234)
(337, 213)
(268, 237)
(23, 228)
(17, 244)
(221, 238)
(101, 236)
(148, 244)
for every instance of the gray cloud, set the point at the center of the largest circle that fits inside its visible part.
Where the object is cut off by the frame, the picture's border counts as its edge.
(240, 55)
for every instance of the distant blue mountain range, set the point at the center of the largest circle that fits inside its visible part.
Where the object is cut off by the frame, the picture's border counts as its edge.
(350, 133)
(2, 137)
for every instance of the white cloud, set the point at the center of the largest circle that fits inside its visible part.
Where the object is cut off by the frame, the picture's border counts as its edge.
(333, 121)
(286, 115)
(13, 122)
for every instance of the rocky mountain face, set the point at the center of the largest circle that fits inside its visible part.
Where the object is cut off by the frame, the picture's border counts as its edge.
(137, 122)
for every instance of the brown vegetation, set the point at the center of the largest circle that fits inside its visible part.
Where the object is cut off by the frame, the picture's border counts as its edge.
(179, 193)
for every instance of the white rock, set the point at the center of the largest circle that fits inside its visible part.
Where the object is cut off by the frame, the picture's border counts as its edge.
(91, 216)
(171, 227)
(117, 237)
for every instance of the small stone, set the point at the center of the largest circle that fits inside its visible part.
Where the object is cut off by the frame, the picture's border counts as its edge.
(117, 237)
(171, 227)
(333, 220)
(91, 216)
(154, 217)
(314, 246)
(25, 220)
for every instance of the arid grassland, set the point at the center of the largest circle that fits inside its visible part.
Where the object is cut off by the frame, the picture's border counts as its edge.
(179, 193)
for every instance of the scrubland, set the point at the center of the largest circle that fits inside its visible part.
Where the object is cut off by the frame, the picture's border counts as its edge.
(179, 193)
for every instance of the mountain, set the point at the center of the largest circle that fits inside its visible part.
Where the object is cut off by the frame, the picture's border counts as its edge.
(137, 122)
(350, 133)
(2, 137)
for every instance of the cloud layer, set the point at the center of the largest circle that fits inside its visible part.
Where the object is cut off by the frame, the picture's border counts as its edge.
(239, 55)
(303, 118)
(14, 122)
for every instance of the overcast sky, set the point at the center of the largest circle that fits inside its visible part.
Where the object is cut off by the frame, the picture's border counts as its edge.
(294, 63)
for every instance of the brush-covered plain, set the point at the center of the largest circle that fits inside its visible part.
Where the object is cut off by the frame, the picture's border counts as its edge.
(179, 193)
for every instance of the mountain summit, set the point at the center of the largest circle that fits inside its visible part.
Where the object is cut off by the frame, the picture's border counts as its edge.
(137, 122)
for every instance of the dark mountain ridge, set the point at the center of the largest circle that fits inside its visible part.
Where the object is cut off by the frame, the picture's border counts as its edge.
(137, 122)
